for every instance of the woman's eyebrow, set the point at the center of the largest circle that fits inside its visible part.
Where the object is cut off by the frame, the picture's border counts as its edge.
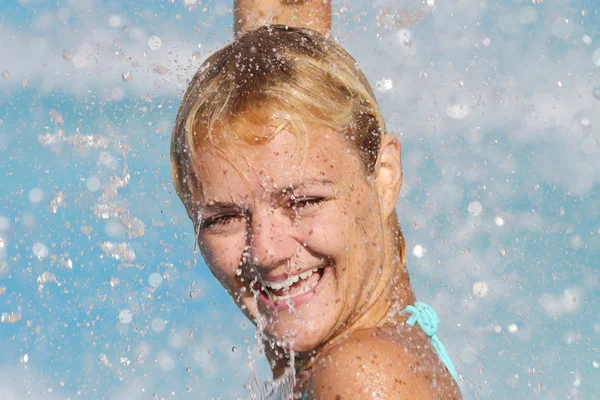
(276, 194)
(294, 186)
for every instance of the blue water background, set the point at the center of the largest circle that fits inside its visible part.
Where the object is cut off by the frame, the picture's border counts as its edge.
(494, 103)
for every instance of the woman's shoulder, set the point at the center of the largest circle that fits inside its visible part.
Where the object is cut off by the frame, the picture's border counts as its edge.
(381, 363)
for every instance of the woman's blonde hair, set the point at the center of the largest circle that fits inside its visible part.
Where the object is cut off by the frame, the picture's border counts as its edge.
(277, 76)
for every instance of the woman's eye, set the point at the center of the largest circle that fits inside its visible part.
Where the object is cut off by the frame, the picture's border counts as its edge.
(305, 202)
(220, 220)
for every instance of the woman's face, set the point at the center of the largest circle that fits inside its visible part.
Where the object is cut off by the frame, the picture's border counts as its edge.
(298, 240)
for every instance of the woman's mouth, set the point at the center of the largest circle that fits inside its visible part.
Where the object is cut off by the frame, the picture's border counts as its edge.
(291, 292)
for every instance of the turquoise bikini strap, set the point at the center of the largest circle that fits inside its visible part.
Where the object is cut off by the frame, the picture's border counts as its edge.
(428, 320)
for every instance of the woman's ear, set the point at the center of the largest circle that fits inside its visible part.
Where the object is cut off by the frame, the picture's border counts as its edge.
(389, 174)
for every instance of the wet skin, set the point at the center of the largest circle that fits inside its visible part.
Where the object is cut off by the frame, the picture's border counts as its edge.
(269, 211)
(292, 212)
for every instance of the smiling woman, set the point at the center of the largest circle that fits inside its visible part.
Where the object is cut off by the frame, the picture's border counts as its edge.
(281, 157)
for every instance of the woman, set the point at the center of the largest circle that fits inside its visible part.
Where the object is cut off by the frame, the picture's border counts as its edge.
(282, 160)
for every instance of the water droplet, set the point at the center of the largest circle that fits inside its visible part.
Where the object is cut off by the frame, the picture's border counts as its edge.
(596, 364)
(188, 369)
(127, 76)
(10, 317)
(596, 57)
(513, 328)
(114, 21)
(113, 281)
(487, 41)
(563, 28)
(66, 55)
(527, 15)
(56, 201)
(125, 316)
(233, 349)
(24, 358)
(596, 93)
(5, 74)
(238, 271)
(118, 251)
(458, 111)
(155, 280)
(475, 208)
(480, 289)
(92, 184)
(499, 221)
(40, 250)
(497, 329)
(384, 85)
(154, 43)
(586, 39)
(419, 251)
(4, 223)
(503, 251)
(36, 195)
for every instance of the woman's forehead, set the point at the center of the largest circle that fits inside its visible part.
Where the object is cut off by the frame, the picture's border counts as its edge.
(286, 160)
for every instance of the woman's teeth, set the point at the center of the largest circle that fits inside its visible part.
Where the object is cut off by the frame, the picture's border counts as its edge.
(285, 285)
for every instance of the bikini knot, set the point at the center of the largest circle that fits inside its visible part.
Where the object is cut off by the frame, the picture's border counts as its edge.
(424, 316)
(428, 320)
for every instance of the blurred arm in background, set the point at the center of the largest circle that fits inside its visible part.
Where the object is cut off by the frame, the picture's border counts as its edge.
(251, 14)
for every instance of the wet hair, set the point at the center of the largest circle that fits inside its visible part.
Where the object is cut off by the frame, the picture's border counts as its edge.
(278, 76)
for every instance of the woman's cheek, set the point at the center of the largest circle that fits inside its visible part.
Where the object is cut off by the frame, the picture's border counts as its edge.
(326, 235)
(223, 256)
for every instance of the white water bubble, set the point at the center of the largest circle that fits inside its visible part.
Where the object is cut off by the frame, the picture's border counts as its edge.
(585, 122)
(487, 41)
(468, 355)
(563, 28)
(35, 195)
(154, 43)
(108, 160)
(115, 229)
(475, 208)
(596, 364)
(404, 36)
(40, 250)
(190, 2)
(499, 221)
(4, 223)
(125, 316)
(589, 145)
(114, 21)
(117, 94)
(93, 184)
(155, 280)
(458, 111)
(158, 325)
(165, 360)
(513, 328)
(596, 57)
(527, 15)
(586, 39)
(419, 251)
(384, 85)
(497, 329)
(79, 61)
(480, 289)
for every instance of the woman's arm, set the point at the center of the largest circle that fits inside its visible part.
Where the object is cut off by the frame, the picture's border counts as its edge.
(251, 14)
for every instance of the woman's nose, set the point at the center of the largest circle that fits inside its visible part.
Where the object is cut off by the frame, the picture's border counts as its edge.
(270, 240)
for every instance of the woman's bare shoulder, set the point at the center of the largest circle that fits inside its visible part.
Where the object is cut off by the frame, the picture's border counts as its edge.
(381, 363)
